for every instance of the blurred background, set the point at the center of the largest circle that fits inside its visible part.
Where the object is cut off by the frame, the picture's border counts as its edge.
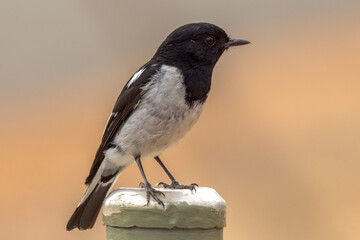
(279, 138)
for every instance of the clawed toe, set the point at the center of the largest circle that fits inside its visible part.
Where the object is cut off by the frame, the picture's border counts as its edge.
(163, 185)
(176, 185)
(193, 187)
(153, 193)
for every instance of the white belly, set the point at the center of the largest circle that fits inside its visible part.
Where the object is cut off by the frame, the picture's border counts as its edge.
(162, 118)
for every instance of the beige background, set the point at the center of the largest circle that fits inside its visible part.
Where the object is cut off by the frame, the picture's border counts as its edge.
(279, 138)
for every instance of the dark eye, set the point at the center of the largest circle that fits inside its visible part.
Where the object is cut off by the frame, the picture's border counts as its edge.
(210, 41)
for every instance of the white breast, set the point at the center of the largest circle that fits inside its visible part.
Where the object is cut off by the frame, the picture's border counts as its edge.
(162, 118)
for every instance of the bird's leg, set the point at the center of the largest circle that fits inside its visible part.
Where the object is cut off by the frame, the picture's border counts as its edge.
(149, 190)
(174, 184)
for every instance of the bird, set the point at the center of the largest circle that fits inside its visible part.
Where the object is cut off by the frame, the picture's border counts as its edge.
(158, 105)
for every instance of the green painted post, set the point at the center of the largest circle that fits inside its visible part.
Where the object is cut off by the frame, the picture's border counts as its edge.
(187, 215)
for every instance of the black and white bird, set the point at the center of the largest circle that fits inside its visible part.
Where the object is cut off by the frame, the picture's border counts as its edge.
(159, 104)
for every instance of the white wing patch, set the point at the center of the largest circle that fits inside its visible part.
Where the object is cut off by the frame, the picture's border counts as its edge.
(135, 77)
(112, 114)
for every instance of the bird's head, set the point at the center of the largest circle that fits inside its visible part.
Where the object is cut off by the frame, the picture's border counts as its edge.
(196, 44)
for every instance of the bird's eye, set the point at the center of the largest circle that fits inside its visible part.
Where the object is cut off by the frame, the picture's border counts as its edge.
(210, 41)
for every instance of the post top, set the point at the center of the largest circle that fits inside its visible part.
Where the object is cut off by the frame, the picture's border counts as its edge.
(126, 207)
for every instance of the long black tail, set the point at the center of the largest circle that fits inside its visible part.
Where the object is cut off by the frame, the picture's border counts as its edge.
(87, 211)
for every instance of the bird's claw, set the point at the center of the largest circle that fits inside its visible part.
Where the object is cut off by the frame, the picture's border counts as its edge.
(176, 185)
(153, 193)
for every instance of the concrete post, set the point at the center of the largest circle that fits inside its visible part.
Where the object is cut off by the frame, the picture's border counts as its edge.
(187, 215)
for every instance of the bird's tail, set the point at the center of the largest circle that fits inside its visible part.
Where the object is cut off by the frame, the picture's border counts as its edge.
(88, 209)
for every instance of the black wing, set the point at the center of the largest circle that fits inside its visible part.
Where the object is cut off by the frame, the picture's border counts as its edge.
(125, 105)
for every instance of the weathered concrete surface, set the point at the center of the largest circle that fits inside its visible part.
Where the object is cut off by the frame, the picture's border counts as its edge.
(114, 233)
(187, 215)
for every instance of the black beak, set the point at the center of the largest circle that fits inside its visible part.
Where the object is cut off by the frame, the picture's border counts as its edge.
(235, 42)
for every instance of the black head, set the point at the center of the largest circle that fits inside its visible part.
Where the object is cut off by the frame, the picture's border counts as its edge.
(195, 44)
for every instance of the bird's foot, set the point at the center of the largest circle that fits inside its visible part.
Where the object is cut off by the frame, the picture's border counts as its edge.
(176, 185)
(153, 193)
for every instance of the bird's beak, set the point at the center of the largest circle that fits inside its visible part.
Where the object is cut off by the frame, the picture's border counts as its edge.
(235, 42)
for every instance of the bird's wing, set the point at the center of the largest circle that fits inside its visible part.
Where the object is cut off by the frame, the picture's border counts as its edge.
(127, 102)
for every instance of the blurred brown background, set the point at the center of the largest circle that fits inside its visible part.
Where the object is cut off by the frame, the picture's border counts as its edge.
(279, 138)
